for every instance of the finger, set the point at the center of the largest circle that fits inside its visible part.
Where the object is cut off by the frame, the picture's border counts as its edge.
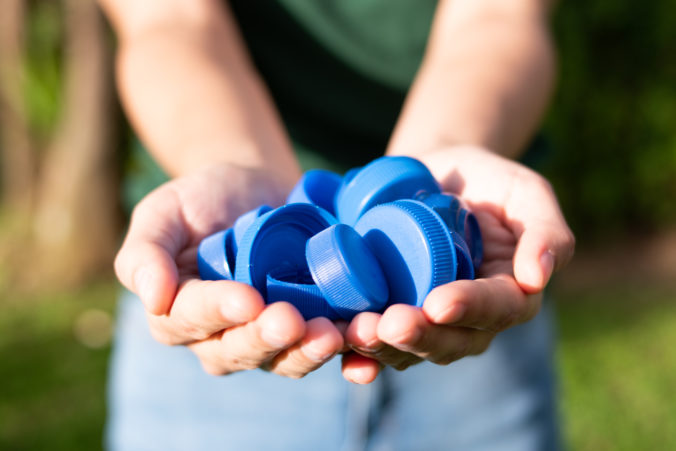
(492, 304)
(251, 345)
(406, 328)
(359, 369)
(545, 242)
(362, 336)
(145, 263)
(202, 308)
(321, 342)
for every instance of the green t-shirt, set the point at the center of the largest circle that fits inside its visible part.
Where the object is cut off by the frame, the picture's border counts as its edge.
(338, 71)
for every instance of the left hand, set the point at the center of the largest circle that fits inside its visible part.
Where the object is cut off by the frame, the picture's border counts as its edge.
(525, 240)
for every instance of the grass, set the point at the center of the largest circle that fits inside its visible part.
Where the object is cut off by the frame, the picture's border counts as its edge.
(617, 364)
(51, 384)
(616, 356)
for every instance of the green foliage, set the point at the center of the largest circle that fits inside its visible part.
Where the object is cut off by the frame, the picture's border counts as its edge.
(44, 35)
(612, 121)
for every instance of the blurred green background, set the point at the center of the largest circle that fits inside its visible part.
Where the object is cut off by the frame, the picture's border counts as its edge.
(614, 168)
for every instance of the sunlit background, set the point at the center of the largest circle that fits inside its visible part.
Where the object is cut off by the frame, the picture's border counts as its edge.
(63, 147)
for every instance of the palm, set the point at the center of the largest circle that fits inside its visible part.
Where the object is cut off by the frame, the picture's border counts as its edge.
(522, 230)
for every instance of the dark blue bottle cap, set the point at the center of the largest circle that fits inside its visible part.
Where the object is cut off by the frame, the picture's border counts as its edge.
(277, 239)
(216, 256)
(414, 248)
(306, 297)
(244, 222)
(468, 227)
(318, 187)
(385, 179)
(346, 271)
(443, 204)
(465, 264)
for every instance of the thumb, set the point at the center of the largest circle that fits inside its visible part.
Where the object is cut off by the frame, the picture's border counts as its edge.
(146, 262)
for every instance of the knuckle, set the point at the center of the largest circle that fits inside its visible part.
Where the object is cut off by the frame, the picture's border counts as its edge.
(194, 332)
(483, 344)
(504, 321)
(459, 351)
(244, 363)
(532, 311)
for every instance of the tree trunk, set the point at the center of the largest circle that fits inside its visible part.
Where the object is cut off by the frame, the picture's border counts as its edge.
(76, 220)
(18, 159)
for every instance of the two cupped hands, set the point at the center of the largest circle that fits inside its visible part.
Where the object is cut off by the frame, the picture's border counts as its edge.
(229, 327)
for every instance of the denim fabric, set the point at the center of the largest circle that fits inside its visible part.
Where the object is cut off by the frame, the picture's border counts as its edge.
(160, 399)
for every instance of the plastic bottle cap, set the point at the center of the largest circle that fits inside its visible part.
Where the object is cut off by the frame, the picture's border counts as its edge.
(306, 297)
(244, 222)
(414, 248)
(216, 256)
(346, 271)
(385, 179)
(468, 227)
(317, 187)
(465, 264)
(277, 239)
(443, 204)
(347, 178)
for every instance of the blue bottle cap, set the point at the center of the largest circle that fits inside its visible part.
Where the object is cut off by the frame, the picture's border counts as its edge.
(465, 264)
(413, 246)
(306, 297)
(385, 179)
(244, 222)
(277, 239)
(443, 204)
(347, 178)
(216, 256)
(468, 227)
(346, 271)
(318, 187)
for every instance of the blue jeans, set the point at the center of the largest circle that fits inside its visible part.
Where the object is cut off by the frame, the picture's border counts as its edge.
(159, 398)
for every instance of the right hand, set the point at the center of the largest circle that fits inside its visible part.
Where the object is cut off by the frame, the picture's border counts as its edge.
(225, 323)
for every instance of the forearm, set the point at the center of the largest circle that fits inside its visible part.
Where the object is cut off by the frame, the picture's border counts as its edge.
(194, 97)
(486, 79)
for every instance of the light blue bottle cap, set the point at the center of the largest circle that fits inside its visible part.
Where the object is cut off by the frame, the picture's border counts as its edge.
(306, 297)
(277, 240)
(445, 205)
(318, 187)
(385, 179)
(414, 248)
(244, 222)
(346, 271)
(465, 264)
(468, 227)
(216, 256)
(347, 178)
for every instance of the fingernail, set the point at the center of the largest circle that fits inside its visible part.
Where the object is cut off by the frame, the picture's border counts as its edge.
(456, 312)
(444, 314)
(312, 354)
(236, 310)
(547, 265)
(142, 285)
(273, 339)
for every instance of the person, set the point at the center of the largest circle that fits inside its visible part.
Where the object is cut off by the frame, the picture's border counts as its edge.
(221, 94)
